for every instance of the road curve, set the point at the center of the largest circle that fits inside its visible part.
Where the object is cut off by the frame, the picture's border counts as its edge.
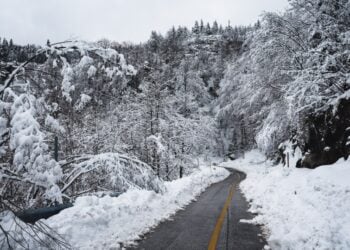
(194, 228)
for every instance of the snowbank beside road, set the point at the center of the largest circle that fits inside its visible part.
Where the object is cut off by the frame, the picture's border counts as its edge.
(107, 222)
(301, 208)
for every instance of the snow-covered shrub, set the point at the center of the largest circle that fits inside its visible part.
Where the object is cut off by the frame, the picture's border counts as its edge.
(30, 169)
(110, 172)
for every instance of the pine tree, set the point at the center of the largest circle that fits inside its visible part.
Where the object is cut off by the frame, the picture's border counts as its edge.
(208, 29)
(155, 42)
(201, 27)
(257, 25)
(215, 28)
(5, 43)
(221, 30)
(196, 28)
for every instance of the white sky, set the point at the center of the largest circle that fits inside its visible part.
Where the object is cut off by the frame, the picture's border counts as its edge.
(34, 21)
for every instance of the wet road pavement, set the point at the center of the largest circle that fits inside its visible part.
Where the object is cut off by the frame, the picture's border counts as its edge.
(210, 222)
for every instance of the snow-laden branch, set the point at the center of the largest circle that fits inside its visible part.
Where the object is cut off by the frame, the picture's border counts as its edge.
(118, 173)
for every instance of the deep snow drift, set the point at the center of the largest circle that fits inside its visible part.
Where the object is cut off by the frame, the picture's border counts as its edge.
(301, 208)
(112, 222)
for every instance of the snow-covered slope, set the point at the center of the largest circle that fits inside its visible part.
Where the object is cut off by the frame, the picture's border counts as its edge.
(301, 208)
(111, 222)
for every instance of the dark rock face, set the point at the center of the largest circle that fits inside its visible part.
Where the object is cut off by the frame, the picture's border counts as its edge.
(328, 136)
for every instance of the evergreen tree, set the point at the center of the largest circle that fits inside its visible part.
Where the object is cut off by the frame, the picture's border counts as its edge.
(196, 28)
(5, 43)
(215, 28)
(201, 27)
(208, 29)
(155, 42)
(221, 30)
(257, 25)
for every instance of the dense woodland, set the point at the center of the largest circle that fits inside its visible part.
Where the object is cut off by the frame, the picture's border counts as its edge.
(80, 117)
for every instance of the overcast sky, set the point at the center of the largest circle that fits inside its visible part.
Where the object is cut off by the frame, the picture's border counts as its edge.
(34, 21)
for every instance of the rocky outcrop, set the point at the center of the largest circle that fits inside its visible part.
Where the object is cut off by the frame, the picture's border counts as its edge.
(327, 136)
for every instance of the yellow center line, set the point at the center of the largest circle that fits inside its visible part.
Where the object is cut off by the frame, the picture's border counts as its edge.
(216, 233)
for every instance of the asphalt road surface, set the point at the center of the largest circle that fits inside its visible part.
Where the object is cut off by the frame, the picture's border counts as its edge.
(211, 222)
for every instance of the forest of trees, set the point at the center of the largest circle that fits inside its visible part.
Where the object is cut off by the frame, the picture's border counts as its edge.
(65, 106)
(74, 112)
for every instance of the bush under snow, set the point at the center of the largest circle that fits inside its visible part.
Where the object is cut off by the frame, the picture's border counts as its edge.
(110, 172)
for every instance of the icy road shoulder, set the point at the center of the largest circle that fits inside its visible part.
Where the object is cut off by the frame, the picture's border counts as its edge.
(301, 208)
(105, 223)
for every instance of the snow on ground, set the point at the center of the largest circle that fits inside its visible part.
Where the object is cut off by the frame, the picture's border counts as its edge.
(111, 222)
(301, 208)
